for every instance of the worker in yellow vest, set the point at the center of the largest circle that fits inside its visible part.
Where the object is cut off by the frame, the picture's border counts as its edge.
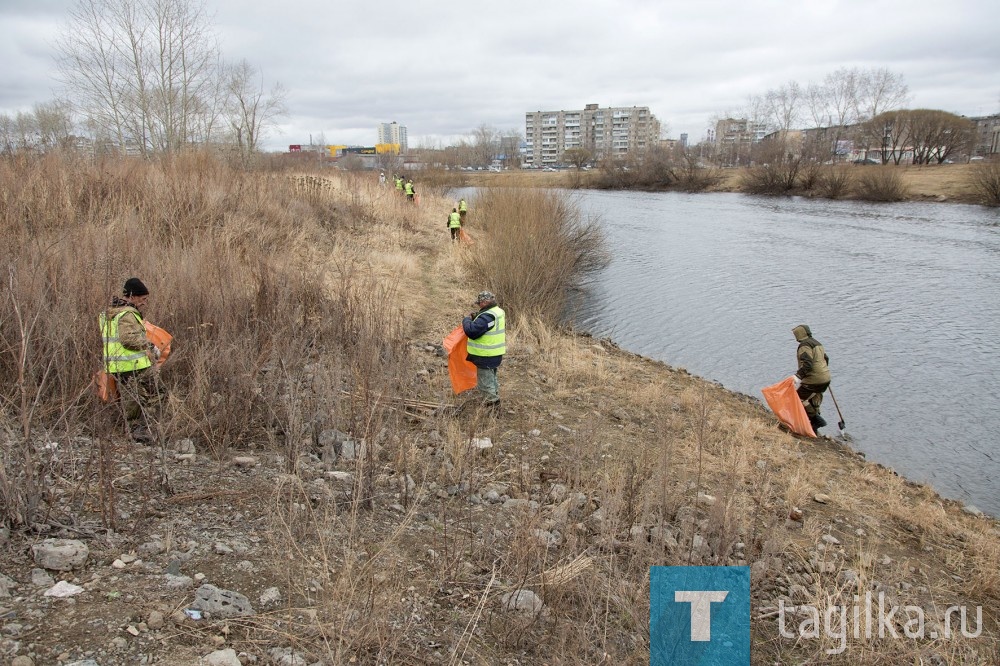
(399, 182)
(129, 356)
(487, 344)
(454, 224)
(463, 208)
(410, 190)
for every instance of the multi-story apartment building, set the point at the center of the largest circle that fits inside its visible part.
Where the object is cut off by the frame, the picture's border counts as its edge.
(734, 138)
(607, 132)
(392, 133)
(987, 136)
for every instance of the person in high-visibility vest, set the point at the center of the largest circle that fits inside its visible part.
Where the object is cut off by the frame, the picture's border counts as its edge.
(463, 208)
(399, 182)
(409, 189)
(129, 355)
(454, 224)
(487, 344)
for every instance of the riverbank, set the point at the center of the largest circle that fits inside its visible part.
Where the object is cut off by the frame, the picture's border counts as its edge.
(601, 464)
(940, 183)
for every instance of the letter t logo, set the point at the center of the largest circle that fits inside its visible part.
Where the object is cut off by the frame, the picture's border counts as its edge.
(701, 610)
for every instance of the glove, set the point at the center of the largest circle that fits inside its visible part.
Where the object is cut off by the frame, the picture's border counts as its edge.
(796, 381)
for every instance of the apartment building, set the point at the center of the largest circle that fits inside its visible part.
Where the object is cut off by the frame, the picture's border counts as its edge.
(734, 137)
(987, 136)
(605, 132)
(392, 133)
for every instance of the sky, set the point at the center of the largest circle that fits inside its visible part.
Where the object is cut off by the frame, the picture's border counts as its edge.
(443, 68)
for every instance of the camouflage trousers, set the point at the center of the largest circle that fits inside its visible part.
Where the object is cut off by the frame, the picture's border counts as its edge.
(811, 396)
(140, 395)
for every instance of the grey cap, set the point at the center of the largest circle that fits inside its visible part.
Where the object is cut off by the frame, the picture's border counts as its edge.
(485, 296)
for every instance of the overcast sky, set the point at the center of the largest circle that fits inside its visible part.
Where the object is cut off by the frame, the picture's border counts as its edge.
(445, 67)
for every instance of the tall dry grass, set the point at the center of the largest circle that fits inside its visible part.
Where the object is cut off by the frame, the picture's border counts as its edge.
(225, 253)
(535, 248)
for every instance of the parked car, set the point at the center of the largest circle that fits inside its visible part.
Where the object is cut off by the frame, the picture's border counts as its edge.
(867, 160)
(977, 158)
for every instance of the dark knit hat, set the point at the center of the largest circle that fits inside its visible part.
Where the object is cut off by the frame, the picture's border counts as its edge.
(135, 287)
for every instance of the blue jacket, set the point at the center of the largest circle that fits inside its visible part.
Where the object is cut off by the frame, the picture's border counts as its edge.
(476, 329)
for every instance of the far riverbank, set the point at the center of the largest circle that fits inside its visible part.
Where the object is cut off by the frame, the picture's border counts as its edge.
(940, 183)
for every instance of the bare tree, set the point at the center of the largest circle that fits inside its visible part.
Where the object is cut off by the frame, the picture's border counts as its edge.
(143, 71)
(249, 110)
(879, 90)
(54, 124)
(936, 135)
(578, 157)
(485, 145)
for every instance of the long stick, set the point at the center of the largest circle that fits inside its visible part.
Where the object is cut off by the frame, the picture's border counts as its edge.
(840, 424)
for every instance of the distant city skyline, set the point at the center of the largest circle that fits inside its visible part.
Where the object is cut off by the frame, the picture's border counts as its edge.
(443, 71)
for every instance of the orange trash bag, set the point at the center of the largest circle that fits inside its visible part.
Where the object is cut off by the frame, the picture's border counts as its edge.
(160, 338)
(785, 403)
(105, 386)
(464, 237)
(461, 371)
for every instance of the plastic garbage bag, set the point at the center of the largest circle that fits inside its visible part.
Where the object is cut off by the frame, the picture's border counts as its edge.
(785, 403)
(461, 371)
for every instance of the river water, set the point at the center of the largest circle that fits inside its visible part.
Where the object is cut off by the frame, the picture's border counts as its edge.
(905, 298)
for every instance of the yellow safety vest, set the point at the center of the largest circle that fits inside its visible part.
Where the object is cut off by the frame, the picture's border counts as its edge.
(399, 183)
(454, 220)
(494, 341)
(462, 206)
(118, 357)
(409, 188)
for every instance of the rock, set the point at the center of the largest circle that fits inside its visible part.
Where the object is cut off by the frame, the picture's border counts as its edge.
(177, 582)
(6, 585)
(60, 554)
(795, 514)
(62, 589)
(524, 601)
(22, 661)
(830, 539)
(820, 498)
(535, 432)
(41, 578)
(271, 595)
(848, 578)
(155, 620)
(225, 657)
(706, 499)
(286, 657)
(481, 443)
(519, 505)
(221, 549)
(245, 461)
(221, 603)
(185, 445)
(972, 510)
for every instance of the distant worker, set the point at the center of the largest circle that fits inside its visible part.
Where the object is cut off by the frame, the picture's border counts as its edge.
(486, 330)
(129, 355)
(409, 189)
(399, 182)
(813, 375)
(463, 208)
(381, 179)
(455, 224)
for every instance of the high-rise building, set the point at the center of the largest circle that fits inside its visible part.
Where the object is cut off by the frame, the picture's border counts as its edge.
(607, 132)
(392, 133)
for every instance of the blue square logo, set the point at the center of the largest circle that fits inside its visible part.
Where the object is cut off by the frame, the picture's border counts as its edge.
(699, 616)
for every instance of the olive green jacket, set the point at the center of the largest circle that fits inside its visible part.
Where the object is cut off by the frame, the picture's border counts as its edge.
(814, 364)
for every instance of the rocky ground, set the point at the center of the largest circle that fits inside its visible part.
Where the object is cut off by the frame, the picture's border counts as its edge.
(522, 537)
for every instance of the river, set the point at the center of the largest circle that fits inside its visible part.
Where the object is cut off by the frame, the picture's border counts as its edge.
(905, 298)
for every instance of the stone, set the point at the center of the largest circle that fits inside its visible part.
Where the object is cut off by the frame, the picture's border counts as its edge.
(60, 554)
(41, 578)
(523, 601)
(221, 603)
(830, 539)
(271, 595)
(155, 620)
(225, 657)
(820, 498)
(481, 443)
(245, 461)
(972, 510)
(22, 661)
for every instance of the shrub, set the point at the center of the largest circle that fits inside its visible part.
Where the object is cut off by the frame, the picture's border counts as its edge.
(985, 179)
(779, 178)
(538, 249)
(881, 183)
(834, 182)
